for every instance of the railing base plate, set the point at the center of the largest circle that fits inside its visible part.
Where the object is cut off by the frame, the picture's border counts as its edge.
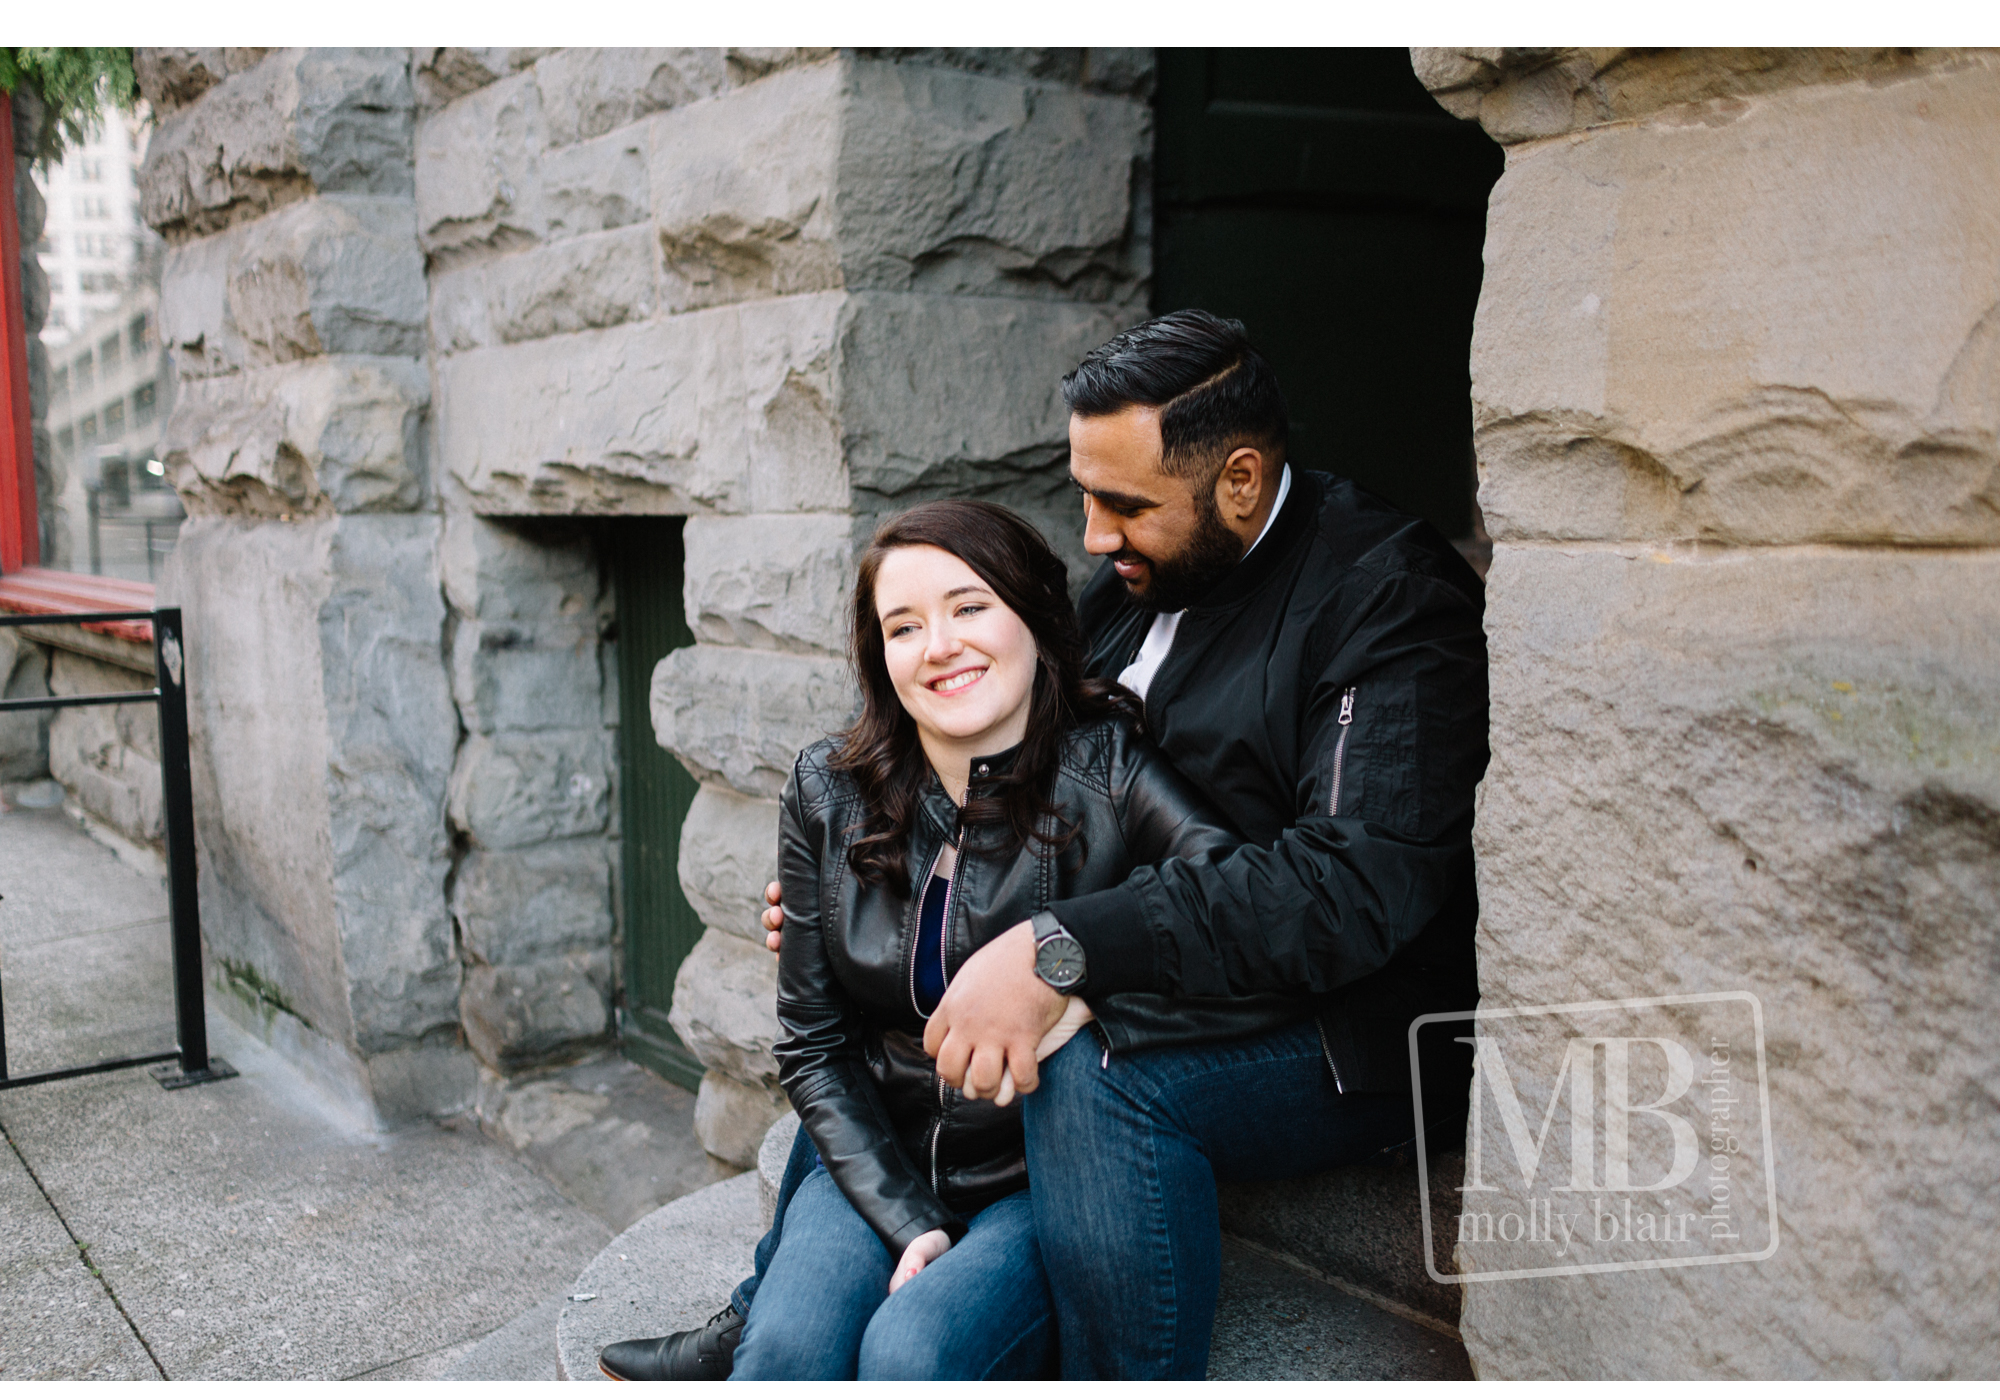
(172, 1076)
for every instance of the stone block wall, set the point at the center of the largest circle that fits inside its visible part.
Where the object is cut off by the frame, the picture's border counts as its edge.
(777, 292)
(1736, 379)
(323, 727)
(434, 309)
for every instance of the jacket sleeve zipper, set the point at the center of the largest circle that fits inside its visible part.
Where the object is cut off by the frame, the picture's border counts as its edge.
(1340, 752)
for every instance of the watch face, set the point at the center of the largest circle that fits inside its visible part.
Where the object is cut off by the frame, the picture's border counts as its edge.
(1059, 961)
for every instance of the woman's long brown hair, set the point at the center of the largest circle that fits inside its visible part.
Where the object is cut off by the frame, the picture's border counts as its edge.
(881, 752)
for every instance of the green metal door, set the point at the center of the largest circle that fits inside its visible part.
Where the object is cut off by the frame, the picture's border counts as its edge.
(654, 793)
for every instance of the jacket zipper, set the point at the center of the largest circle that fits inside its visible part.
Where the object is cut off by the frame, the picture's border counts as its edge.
(1340, 754)
(937, 1128)
(1327, 1051)
(944, 933)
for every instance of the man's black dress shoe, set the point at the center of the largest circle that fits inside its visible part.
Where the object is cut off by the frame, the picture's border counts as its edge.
(705, 1354)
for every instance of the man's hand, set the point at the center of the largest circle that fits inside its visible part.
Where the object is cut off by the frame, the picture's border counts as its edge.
(923, 1249)
(992, 1016)
(774, 918)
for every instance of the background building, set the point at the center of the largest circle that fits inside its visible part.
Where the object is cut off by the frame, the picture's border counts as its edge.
(109, 383)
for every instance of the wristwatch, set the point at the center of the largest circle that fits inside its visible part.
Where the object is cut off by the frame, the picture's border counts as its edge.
(1059, 957)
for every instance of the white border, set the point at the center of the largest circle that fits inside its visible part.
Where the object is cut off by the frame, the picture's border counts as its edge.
(1622, 1004)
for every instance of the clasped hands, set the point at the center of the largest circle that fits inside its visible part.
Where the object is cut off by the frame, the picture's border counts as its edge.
(997, 1020)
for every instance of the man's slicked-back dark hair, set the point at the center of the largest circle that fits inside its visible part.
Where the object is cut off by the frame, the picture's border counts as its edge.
(1215, 392)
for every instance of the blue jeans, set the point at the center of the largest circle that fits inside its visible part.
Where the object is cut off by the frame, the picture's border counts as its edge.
(1124, 1152)
(797, 1167)
(980, 1311)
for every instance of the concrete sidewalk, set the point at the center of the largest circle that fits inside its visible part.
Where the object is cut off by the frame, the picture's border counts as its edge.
(242, 1229)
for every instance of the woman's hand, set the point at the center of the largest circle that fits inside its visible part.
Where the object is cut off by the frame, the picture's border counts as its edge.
(923, 1249)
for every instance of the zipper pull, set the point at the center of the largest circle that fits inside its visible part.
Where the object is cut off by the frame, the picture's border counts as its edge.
(1347, 706)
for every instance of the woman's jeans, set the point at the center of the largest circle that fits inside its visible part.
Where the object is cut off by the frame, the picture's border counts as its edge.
(1124, 1152)
(823, 1310)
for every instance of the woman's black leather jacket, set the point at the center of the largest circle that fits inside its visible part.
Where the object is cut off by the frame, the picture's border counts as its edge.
(908, 1151)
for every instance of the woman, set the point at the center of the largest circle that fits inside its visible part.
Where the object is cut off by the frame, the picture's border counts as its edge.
(985, 777)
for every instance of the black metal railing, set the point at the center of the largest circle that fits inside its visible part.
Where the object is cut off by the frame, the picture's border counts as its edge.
(194, 1065)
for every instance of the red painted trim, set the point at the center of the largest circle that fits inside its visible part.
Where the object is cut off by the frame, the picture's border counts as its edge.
(20, 523)
(47, 591)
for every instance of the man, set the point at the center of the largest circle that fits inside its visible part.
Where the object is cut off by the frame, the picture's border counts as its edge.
(1314, 661)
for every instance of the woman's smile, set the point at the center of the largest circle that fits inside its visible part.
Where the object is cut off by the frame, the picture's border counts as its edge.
(957, 681)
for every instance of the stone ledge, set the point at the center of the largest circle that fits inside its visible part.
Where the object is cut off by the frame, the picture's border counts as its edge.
(678, 1265)
(666, 1274)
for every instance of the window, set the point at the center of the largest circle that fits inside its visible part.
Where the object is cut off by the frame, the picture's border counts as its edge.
(82, 377)
(142, 404)
(59, 383)
(90, 170)
(91, 206)
(97, 282)
(114, 419)
(66, 440)
(140, 334)
(86, 430)
(110, 351)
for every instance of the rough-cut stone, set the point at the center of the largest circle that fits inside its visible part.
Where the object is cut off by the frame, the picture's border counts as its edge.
(985, 419)
(515, 789)
(24, 736)
(1125, 71)
(519, 571)
(340, 274)
(729, 409)
(587, 92)
(172, 78)
(740, 717)
(322, 734)
(899, 176)
(521, 906)
(1523, 94)
(586, 283)
(474, 164)
(731, 1117)
(334, 433)
(781, 582)
(1775, 771)
(298, 122)
(1692, 290)
(108, 756)
(445, 73)
(522, 678)
(743, 190)
(729, 853)
(523, 1015)
(963, 185)
(726, 1007)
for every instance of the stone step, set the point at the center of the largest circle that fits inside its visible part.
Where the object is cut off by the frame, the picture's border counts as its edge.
(1283, 1314)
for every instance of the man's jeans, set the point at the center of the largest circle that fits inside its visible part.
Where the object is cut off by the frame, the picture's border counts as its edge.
(1124, 1152)
(980, 1311)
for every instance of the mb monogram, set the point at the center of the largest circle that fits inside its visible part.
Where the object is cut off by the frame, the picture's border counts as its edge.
(1666, 1160)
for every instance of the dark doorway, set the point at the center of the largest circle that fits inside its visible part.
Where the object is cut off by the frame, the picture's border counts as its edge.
(1323, 198)
(655, 791)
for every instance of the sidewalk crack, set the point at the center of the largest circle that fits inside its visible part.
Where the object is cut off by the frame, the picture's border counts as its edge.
(83, 1253)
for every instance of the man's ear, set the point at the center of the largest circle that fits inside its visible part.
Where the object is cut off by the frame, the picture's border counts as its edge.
(1240, 486)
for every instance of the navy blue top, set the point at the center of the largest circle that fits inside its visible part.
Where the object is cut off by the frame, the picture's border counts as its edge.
(929, 970)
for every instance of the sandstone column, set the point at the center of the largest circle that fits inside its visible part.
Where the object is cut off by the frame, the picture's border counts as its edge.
(323, 727)
(1736, 381)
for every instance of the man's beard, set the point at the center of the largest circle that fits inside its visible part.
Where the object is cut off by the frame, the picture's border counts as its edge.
(1211, 552)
